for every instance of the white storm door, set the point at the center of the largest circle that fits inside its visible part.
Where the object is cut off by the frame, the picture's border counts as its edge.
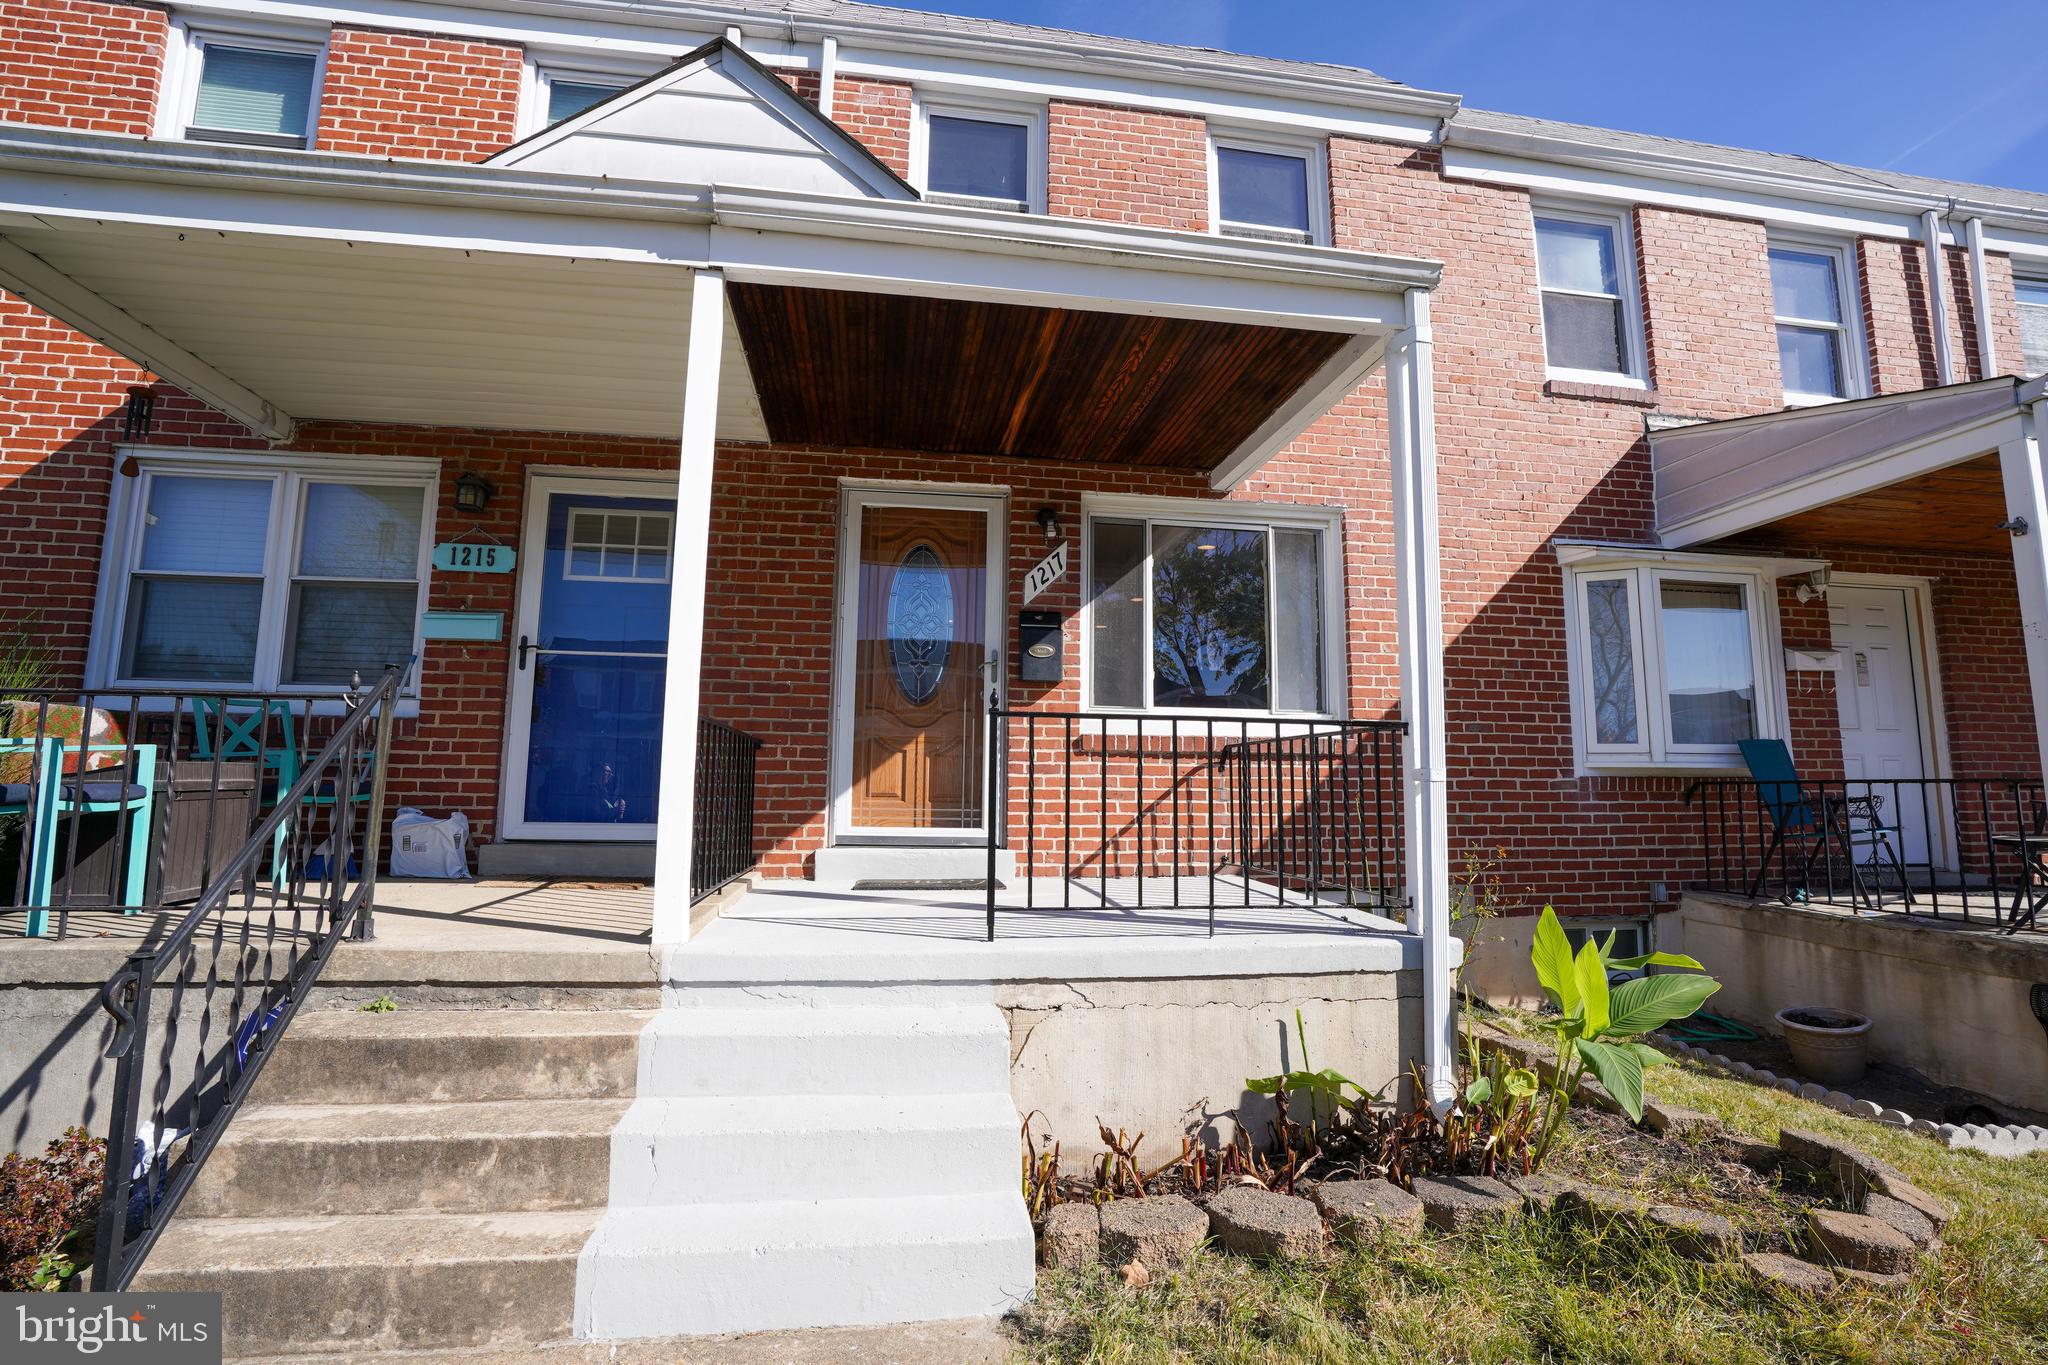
(1882, 700)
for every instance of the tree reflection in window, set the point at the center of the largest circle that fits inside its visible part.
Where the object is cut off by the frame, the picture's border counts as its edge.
(1209, 627)
(1614, 675)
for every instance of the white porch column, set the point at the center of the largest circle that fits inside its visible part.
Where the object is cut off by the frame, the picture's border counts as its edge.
(1418, 592)
(686, 610)
(2026, 499)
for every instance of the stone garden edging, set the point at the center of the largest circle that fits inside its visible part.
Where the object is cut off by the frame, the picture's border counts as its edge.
(2002, 1140)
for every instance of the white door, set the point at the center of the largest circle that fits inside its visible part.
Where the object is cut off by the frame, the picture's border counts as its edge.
(589, 658)
(1881, 694)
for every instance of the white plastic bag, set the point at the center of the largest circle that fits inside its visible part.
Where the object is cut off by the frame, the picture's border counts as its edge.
(422, 846)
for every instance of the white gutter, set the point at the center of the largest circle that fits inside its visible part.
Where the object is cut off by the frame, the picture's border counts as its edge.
(828, 73)
(1937, 298)
(1980, 299)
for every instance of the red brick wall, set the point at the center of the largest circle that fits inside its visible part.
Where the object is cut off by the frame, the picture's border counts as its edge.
(1127, 165)
(81, 64)
(404, 94)
(1895, 319)
(878, 113)
(1707, 295)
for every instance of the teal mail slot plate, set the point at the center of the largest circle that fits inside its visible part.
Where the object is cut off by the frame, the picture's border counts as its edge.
(471, 556)
(465, 625)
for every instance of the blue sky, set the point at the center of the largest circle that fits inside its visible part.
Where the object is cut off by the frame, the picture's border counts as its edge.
(1953, 90)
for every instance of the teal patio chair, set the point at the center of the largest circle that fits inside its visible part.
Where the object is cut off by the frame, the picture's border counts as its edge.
(53, 794)
(243, 725)
(1855, 824)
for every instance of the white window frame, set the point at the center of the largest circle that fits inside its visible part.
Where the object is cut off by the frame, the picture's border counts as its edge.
(569, 574)
(543, 69)
(1030, 117)
(2024, 280)
(1244, 516)
(1646, 572)
(185, 62)
(1851, 351)
(289, 478)
(1635, 371)
(1314, 153)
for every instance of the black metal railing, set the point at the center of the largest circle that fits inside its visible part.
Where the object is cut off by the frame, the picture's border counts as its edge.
(198, 1012)
(722, 837)
(1943, 847)
(135, 801)
(1145, 812)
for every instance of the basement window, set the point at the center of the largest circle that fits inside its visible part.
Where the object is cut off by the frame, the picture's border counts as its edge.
(241, 573)
(250, 88)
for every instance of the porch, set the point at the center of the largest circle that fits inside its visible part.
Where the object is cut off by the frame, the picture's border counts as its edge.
(1915, 649)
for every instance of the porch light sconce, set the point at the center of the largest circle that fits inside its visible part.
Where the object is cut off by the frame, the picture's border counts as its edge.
(1049, 522)
(472, 494)
(2016, 525)
(1816, 585)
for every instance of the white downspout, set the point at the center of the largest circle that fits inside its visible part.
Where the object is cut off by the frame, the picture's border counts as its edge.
(699, 437)
(1418, 585)
(828, 73)
(2026, 499)
(1980, 298)
(1937, 301)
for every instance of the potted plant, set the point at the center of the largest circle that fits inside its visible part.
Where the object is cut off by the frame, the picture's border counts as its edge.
(1828, 1045)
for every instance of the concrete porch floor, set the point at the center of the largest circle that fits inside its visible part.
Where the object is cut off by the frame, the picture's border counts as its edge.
(807, 931)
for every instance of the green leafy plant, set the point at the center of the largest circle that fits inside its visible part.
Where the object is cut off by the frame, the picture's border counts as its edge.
(1598, 1027)
(383, 1004)
(1325, 1089)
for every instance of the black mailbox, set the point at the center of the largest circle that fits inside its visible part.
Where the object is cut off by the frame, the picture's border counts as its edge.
(1040, 647)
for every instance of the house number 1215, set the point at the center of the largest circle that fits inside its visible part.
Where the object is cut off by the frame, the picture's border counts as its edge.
(469, 556)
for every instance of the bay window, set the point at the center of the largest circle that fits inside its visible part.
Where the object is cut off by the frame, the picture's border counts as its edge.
(1670, 659)
(242, 572)
(1209, 611)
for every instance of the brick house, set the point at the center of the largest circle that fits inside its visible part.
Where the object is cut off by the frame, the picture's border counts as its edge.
(1207, 398)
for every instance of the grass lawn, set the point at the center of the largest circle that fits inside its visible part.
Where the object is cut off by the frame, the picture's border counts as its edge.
(1546, 1289)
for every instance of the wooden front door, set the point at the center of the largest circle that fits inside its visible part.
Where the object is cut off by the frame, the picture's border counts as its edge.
(919, 638)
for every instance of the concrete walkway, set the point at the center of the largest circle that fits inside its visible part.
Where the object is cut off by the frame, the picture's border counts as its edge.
(967, 1341)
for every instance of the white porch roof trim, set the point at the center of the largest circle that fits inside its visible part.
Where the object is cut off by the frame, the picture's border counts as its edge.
(1718, 479)
(114, 234)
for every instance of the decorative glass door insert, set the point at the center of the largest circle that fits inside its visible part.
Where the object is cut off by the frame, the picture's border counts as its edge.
(920, 635)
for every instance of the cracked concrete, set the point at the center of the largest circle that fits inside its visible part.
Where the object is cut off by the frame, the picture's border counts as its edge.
(1170, 1056)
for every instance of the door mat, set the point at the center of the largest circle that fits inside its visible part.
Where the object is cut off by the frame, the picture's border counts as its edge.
(928, 884)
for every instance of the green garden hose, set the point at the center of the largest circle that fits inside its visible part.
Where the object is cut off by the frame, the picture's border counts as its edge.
(1702, 1029)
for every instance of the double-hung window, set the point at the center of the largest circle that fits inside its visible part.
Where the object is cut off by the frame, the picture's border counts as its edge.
(1813, 303)
(1274, 190)
(1211, 608)
(1670, 660)
(1592, 323)
(241, 572)
(2033, 297)
(258, 87)
(992, 157)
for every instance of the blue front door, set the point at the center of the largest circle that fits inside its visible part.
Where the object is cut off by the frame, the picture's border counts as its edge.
(591, 661)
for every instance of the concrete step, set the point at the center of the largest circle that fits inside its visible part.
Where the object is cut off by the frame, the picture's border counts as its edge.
(799, 1147)
(436, 1056)
(883, 1050)
(382, 1282)
(669, 1271)
(292, 1160)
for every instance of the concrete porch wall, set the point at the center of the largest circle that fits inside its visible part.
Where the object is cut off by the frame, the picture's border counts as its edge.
(1170, 1056)
(1950, 1003)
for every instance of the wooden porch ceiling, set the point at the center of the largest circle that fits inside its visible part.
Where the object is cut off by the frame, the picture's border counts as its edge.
(835, 367)
(1955, 510)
